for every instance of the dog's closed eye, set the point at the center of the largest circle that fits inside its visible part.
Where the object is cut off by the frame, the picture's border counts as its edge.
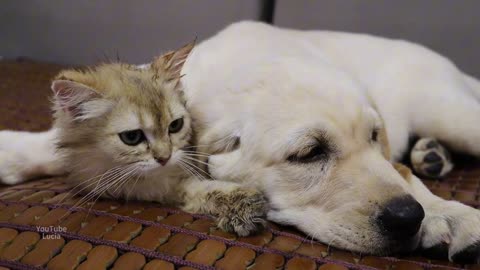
(374, 136)
(312, 154)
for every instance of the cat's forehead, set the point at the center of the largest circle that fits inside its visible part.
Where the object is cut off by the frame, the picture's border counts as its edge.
(128, 80)
(141, 87)
(132, 117)
(144, 112)
(143, 99)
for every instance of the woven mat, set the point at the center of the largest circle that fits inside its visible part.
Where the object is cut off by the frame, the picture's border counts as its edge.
(40, 226)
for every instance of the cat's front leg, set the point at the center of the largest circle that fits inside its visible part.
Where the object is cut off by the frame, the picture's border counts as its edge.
(26, 155)
(237, 209)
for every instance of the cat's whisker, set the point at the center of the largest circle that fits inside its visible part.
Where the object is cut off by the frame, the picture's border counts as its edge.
(188, 170)
(127, 172)
(185, 169)
(106, 180)
(128, 181)
(100, 184)
(107, 174)
(82, 183)
(199, 161)
(196, 152)
(197, 167)
(133, 186)
(192, 171)
(114, 179)
(126, 176)
(92, 181)
(212, 144)
(86, 198)
(195, 155)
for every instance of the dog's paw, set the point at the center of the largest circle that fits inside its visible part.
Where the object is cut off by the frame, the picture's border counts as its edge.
(246, 213)
(429, 158)
(453, 230)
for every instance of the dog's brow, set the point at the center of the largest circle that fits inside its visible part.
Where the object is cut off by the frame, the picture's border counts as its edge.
(310, 138)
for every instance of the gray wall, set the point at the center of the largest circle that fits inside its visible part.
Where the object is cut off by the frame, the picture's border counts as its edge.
(451, 27)
(82, 32)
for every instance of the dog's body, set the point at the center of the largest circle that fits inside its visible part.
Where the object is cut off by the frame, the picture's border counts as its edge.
(314, 120)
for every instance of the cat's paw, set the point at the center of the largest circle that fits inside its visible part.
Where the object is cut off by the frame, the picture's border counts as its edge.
(11, 163)
(11, 167)
(452, 229)
(245, 214)
(429, 158)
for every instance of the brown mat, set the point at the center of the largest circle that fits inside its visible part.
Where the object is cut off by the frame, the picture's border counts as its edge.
(141, 235)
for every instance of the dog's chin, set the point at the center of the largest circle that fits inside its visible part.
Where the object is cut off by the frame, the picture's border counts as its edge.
(400, 247)
(392, 247)
(379, 246)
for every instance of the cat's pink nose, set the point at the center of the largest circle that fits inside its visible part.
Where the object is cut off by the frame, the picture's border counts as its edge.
(162, 160)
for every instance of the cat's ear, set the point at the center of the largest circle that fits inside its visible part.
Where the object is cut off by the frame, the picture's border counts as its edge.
(172, 62)
(72, 98)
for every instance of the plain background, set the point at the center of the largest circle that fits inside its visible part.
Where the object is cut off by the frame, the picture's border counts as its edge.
(84, 32)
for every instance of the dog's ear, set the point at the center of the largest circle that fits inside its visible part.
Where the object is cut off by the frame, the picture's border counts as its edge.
(383, 140)
(403, 170)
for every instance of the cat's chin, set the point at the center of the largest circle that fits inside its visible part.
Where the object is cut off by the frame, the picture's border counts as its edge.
(158, 169)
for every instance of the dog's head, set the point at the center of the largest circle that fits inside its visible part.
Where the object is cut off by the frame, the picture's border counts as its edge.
(318, 149)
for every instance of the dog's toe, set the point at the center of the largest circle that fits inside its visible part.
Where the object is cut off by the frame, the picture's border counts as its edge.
(429, 158)
(450, 230)
(468, 255)
(438, 252)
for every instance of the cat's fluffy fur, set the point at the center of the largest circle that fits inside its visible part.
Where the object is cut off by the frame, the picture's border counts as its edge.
(92, 107)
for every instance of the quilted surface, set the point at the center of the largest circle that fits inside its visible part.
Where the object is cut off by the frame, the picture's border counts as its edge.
(41, 225)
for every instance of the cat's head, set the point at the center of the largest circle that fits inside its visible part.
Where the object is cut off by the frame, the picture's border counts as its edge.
(116, 116)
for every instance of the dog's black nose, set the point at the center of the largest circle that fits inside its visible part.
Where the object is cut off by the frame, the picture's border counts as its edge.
(401, 217)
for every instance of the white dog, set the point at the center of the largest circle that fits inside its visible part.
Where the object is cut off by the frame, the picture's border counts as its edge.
(315, 119)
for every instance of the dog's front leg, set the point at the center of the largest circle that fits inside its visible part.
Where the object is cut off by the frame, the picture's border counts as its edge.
(236, 208)
(449, 228)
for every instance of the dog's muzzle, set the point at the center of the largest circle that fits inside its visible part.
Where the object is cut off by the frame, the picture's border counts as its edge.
(401, 218)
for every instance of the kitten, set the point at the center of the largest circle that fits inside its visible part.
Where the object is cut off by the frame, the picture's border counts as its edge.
(124, 132)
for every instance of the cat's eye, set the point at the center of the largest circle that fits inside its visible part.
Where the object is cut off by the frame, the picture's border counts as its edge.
(176, 125)
(374, 136)
(315, 153)
(132, 137)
